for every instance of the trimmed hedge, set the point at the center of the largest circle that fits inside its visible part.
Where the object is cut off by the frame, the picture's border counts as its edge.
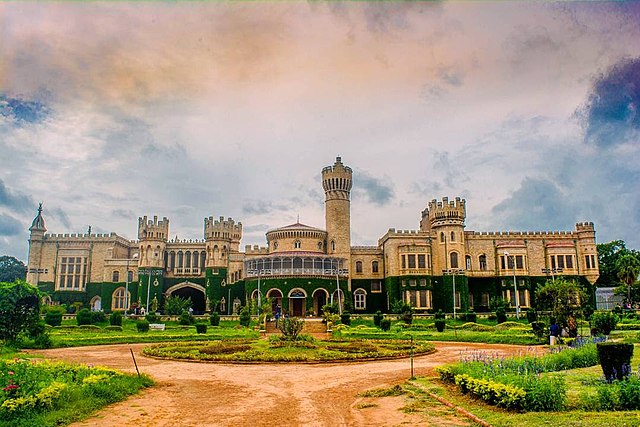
(501, 395)
(142, 326)
(615, 359)
(201, 328)
(116, 318)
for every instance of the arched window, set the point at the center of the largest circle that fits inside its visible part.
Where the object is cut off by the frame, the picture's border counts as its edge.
(130, 275)
(358, 266)
(374, 266)
(119, 299)
(116, 276)
(482, 260)
(223, 305)
(187, 259)
(442, 236)
(172, 260)
(333, 246)
(453, 236)
(360, 299)
(180, 264)
(297, 244)
(468, 262)
(454, 259)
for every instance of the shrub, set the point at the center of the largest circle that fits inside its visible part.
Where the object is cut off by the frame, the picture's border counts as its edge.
(214, 319)
(53, 318)
(377, 318)
(113, 328)
(83, 317)
(116, 318)
(385, 324)
(476, 327)
(587, 311)
(407, 314)
(501, 315)
(245, 317)
(532, 316)
(439, 315)
(345, 318)
(615, 359)
(440, 324)
(604, 321)
(142, 326)
(538, 329)
(152, 318)
(174, 306)
(98, 317)
(291, 328)
(201, 328)
(471, 316)
(494, 393)
(186, 318)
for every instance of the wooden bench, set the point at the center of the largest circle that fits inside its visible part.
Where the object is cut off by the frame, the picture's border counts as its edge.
(156, 326)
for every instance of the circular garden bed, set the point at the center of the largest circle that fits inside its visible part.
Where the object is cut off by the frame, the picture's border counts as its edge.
(275, 349)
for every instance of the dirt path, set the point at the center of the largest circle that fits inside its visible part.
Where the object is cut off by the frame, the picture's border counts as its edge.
(203, 394)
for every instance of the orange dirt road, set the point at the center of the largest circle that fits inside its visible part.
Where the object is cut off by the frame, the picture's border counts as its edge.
(270, 395)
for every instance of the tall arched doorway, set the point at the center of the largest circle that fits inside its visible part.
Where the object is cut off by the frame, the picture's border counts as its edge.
(319, 300)
(276, 299)
(194, 291)
(297, 302)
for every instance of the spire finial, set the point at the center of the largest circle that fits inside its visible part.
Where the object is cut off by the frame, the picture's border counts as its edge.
(40, 207)
(298, 218)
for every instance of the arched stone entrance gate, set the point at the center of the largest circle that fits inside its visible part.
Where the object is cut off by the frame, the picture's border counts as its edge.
(297, 302)
(320, 297)
(187, 289)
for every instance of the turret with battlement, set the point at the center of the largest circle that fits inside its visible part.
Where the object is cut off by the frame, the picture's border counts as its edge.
(445, 222)
(153, 235)
(222, 237)
(337, 181)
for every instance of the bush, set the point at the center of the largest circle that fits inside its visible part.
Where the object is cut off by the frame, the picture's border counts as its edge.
(377, 318)
(471, 316)
(245, 317)
(201, 328)
(53, 318)
(494, 393)
(532, 316)
(174, 306)
(501, 315)
(345, 318)
(152, 318)
(113, 328)
(439, 315)
(538, 329)
(587, 311)
(604, 321)
(385, 324)
(440, 325)
(83, 317)
(116, 318)
(186, 318)
(214, 319)
(615, 359)
(98, 317)
(142, 326)
(291, 328)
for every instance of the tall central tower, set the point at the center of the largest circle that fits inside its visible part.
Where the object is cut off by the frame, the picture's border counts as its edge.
(337, 181)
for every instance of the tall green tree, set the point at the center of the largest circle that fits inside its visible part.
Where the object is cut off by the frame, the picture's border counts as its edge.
(563, 298)
(12, 269)
(19, 309)
(628, 267)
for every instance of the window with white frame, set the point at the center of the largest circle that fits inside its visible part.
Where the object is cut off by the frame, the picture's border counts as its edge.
(376, 286)
(482, 261)
(116, 276)
(119, 299)
(374, 266)
(72, 273)
(360, 299)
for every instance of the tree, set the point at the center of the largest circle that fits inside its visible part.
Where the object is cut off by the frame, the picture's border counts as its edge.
(563, 298)
(12, 269)
(628, 267)
(19, 309)
(608, 256)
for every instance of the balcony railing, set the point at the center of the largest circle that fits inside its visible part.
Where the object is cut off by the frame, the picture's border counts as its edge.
(187, 271)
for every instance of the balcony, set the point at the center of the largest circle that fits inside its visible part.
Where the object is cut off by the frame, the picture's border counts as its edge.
(187, 271)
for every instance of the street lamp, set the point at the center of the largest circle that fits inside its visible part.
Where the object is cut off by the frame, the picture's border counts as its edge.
(515, 286)
(453, 272)
(126, 287)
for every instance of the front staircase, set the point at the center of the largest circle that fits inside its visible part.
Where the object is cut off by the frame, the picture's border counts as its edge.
(312, 325)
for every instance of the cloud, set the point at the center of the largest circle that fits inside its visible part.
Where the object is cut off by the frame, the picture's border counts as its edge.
(378, 191)
(612, 113)
(537, 202)
(124, 213)
(14, 200)
(10, 226)
(261, 207)
(22, 111)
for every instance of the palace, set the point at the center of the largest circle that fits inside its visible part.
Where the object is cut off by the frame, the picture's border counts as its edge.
(303, 268)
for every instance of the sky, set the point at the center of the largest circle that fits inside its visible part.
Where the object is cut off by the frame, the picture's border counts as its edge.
(113, 110)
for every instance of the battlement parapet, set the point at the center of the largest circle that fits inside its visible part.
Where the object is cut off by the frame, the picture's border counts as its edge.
(585, 226)
(89, 237)
(153, 229)
(221, 228)
(366, 250)
(337, 167)
(446, 212)
(520, 233)
(256, 250)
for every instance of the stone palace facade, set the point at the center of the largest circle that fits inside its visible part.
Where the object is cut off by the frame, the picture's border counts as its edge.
(303, 267)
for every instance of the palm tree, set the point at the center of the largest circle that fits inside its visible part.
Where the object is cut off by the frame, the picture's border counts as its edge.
(628, 267)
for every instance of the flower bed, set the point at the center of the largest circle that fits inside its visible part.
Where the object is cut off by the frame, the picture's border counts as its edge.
(43, 393)
(276, 350)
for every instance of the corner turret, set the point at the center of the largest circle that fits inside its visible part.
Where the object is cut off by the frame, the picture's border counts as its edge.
(222, 237)
(337, 182)
(153, 235)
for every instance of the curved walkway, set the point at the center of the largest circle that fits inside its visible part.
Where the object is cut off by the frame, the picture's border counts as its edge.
(273, 395)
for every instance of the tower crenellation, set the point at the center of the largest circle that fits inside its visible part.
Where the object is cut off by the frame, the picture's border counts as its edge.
(222, 236)
(153, 229)
(153, 235)
(446, 212)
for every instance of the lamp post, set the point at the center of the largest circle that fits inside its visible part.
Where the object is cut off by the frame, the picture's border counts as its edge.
(453, 272)
(126, 287)
(515, 286)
